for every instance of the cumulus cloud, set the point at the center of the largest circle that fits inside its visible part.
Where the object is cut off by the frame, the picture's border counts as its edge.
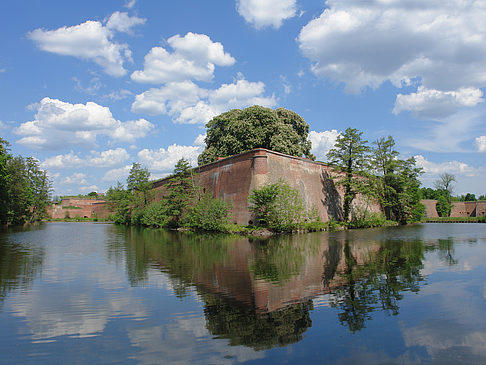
(91, 40)
(119, 174)
(163, 160)
(187, 103)
(108, 158)
(322, 142)
(481, 144)
(194, 57)
(266, 13)
(76, 178)
(59, 123)
(452, 167)
(436, 104)
(122, 22)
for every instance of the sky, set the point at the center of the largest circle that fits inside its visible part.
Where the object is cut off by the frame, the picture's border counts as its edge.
(88, 88)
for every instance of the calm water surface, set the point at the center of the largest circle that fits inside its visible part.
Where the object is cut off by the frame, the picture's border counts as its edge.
(99, 293)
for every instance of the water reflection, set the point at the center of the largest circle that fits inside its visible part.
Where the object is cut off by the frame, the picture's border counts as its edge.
(260, 293)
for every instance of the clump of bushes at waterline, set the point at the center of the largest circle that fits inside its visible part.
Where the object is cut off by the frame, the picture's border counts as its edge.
(277, 207)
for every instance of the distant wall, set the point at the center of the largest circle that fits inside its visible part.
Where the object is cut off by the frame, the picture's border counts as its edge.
(85, 208)
(234, 178)
(458, 209)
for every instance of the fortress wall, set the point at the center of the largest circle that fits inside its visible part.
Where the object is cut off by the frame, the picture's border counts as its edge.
(234, 178)
(430, 208)
(87, 208)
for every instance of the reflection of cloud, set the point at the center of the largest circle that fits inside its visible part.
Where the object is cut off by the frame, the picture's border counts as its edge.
(441, 342)
(186, 340)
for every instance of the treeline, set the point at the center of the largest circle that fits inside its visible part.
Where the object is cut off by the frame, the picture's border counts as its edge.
(24, 188)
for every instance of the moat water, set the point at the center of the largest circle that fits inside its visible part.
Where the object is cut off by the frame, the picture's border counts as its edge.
(91, 293)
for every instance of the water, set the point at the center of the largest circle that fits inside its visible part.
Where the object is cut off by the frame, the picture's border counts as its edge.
(99, 293)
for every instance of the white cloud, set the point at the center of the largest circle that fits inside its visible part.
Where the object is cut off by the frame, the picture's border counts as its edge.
(108, 158)
(363, 44)
(90, 41)
(163, 160)
(94, 85)
(89, 188)
(194, 58)
(266, 13)
(187, 103)
(76, 178)
(452, 167)
(3, 125)
(58, 124)
(481, 144)
(122, 22)
(436, 104)
(322, 142)
(118, 94)
(130, 4)
(119, 174)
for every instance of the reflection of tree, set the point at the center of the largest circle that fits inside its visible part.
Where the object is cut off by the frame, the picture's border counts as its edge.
(377, 284)
(278, 259)
(446, 251)
(243, 326)
(19, 264)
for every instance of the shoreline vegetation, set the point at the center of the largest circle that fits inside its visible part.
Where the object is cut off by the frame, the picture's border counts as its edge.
(372, 171)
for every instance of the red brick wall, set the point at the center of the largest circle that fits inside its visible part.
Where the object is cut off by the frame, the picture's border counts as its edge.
(233, 179)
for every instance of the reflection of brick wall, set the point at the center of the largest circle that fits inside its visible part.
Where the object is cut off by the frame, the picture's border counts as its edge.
(234, 178)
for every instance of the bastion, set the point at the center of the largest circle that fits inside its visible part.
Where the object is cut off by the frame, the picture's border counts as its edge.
(232, 179)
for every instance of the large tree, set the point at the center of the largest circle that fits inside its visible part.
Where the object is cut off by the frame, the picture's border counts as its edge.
(4, 180)
(349, 155)
(238, 131)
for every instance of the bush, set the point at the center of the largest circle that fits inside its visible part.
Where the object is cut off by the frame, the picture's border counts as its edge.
(208, 214)
(278, 207)
(155, 215)
(362, 218)
(443, 207)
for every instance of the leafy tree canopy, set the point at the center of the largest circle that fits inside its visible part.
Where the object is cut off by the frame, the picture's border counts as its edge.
(238, 131)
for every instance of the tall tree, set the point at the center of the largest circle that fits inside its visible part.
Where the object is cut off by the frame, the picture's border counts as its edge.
(180, 190)
(396, 182)
(138, 181)
(238, 131)
(445, 183)
(4, 180)
(349, 155)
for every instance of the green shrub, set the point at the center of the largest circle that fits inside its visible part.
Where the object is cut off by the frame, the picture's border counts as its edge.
(362, 218)
(208, 214)
(443, 207)
(155, 215)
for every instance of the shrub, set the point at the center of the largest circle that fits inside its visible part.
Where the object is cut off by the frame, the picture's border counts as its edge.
(208, 214)
(443, 207)
(278, 207)
(362, 218)
(155, 215)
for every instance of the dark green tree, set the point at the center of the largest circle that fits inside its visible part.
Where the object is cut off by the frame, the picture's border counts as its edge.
(180, 192)
(238, 131)
(443, 206)
(138, 181)
(349, 155)
(120, 203)
(4, 180)
(395, 182)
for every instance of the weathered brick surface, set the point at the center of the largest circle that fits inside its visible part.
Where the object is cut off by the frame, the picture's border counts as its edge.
(87, 208)
(234, 178)
(459, 209)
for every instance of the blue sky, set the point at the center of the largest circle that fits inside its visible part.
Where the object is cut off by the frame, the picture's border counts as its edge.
(90, 87)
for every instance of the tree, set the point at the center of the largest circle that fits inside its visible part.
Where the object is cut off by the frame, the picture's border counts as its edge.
(138, 181)
(180, 190)
(349, 156)
(4, 180)
(238, 131)
(444, 183)
(396, 182)
(443, 206)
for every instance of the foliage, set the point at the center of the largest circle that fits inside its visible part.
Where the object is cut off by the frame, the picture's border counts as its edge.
(208, 214)
(156, 215)
(180, 192)
(443, 206)
(138, 182)
(444, 183)
(469, 197)
(24, 188)
(349, 156)
(238, 131)
(120, 203)
(362, 218)
(278, 206)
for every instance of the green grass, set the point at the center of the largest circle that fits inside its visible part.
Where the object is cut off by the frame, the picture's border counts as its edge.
(456, 219)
